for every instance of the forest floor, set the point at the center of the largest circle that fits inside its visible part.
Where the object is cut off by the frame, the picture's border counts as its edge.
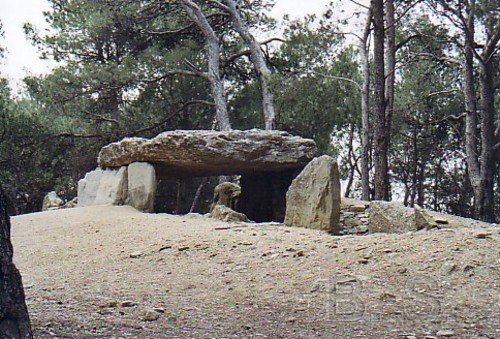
(115, 272)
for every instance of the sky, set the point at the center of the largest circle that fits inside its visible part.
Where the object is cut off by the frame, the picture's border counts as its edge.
(22, 58)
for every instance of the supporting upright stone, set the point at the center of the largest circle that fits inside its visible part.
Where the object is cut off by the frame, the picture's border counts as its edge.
(141, 186)
(88, 186)
(112, 187)
(313, 199)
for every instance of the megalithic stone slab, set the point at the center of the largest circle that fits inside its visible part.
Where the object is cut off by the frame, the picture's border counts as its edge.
(209, 153)
(313, 199)
(112, 187)
(141, 186)
(88, 186)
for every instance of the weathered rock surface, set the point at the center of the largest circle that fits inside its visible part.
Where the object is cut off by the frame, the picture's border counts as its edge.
(391, 217)
(51, 200)
(141, 186)
(72, 203)
(88, 186)
(313, 199)
(354, 216)
(103, 187)
(225, 213)
(227, 194)
(205, 153)
(112, 188)
(423, 220)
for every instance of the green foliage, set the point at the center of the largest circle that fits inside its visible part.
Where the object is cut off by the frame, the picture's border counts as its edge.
(311, 99)
(31, 160)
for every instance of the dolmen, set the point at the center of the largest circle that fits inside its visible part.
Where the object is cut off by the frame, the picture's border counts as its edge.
(266, 161)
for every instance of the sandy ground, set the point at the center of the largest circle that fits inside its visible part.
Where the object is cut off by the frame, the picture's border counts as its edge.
(114, 272)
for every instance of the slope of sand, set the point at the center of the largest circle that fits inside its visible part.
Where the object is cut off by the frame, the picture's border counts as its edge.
(106, 271)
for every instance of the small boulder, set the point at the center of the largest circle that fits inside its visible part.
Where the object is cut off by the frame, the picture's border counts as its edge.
(72, 203)
(423, 220)
(313, 199)
(227, 214)
(51, 201)
(227, 194)
(391, 217)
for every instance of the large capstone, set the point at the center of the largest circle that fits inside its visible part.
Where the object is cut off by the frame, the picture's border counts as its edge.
(313, 199)
(207, 153)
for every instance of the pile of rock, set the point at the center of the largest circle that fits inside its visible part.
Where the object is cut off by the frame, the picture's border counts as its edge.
(52, 201)
(361, 217)
(354, 217)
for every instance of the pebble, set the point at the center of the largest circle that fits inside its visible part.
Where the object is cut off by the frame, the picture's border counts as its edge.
(183, 248)
(445, 333)
(448, 267)
(299, 254)
(222, 228)
(357, 208)
(136, 254)
(482, 235)
(150, 315)
(128, 303)
(110, 304)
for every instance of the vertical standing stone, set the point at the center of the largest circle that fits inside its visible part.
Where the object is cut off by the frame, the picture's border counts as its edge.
(141, 186)
(112, 187)
(313, 199)
(88, 186)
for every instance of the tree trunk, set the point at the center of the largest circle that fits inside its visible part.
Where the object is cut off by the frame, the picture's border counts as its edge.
(380, 134)
(365, 110)
(485, 208)
(259, 61)
(390, 64)
(213, 54)
(14, 318)
(414, 166)
(351, 158)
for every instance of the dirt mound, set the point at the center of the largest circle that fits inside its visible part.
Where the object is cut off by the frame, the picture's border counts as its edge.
(115, 272)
